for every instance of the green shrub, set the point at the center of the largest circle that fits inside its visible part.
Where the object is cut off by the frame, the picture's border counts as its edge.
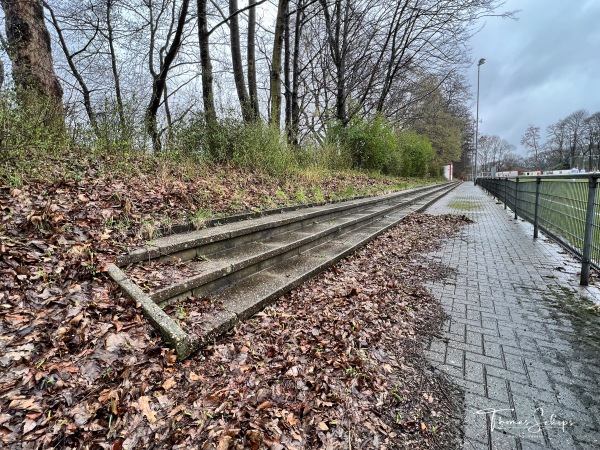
(327, 156)
(252, 145)
(416, 154)
(369, 142)
(114, 136)
(30, 136)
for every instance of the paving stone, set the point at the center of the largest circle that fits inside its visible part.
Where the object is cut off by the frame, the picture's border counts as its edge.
(435, 356)
(491, 349)
(538, 377)
(496, 388)
(487, 360)
(542, 396)
(519, 349)
(467, 347)
(475, 371)
(587, 438)
(514, 363)
(475, 338)
(471, 387)
(455, 357)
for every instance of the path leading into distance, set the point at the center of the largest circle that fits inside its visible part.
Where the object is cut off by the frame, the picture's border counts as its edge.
(523, 338)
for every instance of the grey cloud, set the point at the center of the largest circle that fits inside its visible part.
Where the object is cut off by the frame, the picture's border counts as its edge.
(538, 69)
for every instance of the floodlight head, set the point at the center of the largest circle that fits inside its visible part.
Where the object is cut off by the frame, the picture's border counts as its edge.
(481, 62)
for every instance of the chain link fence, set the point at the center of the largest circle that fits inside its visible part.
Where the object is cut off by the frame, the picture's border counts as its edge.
(563, 206)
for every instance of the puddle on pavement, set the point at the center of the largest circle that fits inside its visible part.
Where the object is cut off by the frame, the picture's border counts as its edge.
(582, 312)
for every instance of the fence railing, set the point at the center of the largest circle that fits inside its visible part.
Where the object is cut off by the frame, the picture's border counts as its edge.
(563, 206)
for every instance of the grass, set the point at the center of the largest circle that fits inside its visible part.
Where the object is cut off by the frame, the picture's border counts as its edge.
(464, 205)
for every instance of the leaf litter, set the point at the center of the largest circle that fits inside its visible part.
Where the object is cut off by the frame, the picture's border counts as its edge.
(337, 363)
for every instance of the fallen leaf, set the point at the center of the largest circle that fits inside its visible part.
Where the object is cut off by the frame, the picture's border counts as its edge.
(291, 419)
(322, 426)
(26, 404)
(118, 444)
(264, 405)
(169, 383)
(28, 425)
(116, 341)
(224, 442)
(145, 409)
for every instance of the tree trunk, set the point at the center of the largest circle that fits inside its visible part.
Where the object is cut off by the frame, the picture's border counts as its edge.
(337, 39)
(206, 63)
(286, 73)
(275, 85)
(252, 84)
(85, 91)
(113, 64)
(31, 55)
(160, 80)
(295, 119)
(236, 59)
(341, 64)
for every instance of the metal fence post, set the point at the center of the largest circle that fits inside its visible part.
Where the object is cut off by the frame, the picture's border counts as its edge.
(589, 231)
(516, 197)
(538, 182)
(505, 183)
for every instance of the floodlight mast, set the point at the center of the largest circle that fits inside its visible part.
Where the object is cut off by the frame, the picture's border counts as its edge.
(479, 64)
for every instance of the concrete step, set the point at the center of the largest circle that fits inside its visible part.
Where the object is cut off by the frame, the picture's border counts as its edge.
(266, 259)
(187, 246)
(230, 265)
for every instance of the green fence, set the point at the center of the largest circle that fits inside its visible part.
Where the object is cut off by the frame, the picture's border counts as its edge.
(563, 206)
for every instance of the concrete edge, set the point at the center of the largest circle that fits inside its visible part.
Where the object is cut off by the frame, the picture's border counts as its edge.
(155, 251)
(167, 327)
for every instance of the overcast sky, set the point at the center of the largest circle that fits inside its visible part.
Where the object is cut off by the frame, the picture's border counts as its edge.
(539, 68)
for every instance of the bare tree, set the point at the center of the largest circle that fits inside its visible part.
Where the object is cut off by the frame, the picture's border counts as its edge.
(206, 64)
(575, 125)
(236, 58)
(251, 56)
(159, 79)
(4, 46)
(110, 36)
(276, 60)
(492, 150)
(70, 56)
(531, 140)
(294, 109)
(592, 126)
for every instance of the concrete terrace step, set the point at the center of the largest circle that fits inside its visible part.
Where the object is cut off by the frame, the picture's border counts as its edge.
(186, 246)
(245, 266)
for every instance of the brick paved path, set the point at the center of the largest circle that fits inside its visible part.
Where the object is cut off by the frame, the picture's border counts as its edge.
(522, 339)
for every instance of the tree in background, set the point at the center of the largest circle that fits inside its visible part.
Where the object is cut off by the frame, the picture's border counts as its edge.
(571, 141)
(492, 151)
(531, 141)
(439, 118)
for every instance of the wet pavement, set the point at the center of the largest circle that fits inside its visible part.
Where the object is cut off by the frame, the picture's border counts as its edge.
(523, 338)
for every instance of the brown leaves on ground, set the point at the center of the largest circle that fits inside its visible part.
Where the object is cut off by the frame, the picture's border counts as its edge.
(333, 363)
